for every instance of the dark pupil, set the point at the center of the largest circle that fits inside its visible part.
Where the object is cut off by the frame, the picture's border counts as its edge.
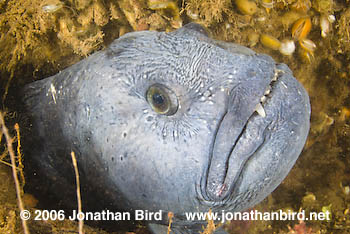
(158, 99)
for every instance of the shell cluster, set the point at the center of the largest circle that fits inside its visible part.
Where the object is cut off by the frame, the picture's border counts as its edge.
(298, 20)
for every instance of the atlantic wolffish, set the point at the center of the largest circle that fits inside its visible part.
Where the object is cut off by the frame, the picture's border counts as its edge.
(174, 121)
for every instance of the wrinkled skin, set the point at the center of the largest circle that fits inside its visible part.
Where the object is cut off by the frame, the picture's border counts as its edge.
(214, 152)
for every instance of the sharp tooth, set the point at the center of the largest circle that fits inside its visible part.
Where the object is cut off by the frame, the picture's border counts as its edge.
(260, 110)
(263, 99)
(277, 73)
(267, 92)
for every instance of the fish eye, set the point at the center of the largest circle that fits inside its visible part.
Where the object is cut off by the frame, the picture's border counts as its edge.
(162, 99)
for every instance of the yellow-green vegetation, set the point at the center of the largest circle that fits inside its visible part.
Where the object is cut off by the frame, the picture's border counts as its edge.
(38, 38)
(344, 33)
(39, 31)
(323, 6)
(208, 12)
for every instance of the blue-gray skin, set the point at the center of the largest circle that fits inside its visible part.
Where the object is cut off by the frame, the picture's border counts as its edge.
(230, 126)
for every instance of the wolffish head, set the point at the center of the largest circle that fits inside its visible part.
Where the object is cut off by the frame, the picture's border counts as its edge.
(182, 122)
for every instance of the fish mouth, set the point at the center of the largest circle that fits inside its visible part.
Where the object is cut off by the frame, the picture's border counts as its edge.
(229, 158)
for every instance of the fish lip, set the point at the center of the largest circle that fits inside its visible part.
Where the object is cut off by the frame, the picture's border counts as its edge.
(222, 191)
(204, 179)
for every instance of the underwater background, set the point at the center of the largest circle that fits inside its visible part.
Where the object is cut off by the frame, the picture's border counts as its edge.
(38, 38)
